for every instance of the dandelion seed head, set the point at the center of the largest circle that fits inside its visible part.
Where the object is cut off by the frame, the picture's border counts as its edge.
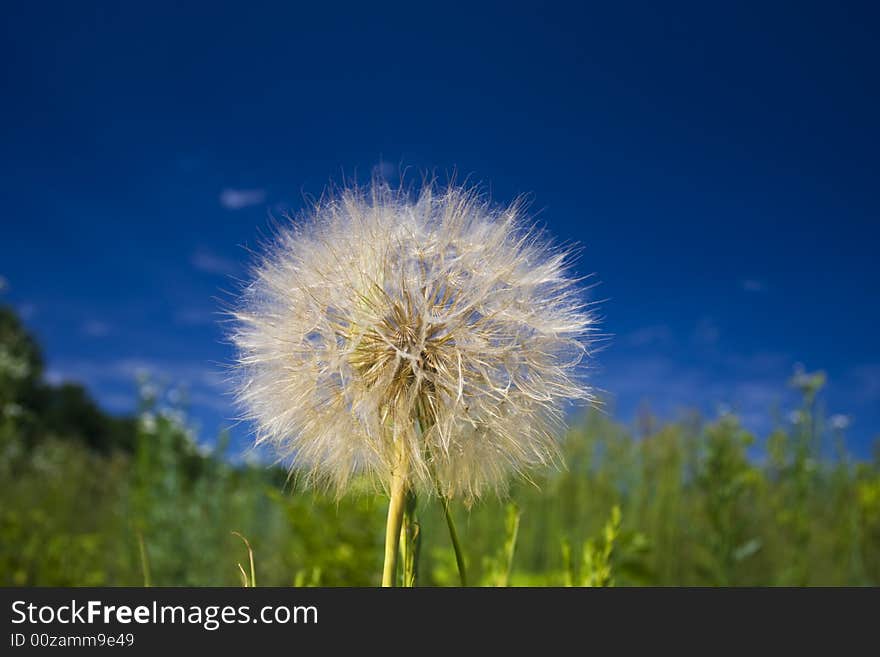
(437, 326)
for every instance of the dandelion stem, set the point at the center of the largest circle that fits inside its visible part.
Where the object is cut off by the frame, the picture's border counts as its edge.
(453, 535)
(450, 521)
(410, 540)
(395, 520)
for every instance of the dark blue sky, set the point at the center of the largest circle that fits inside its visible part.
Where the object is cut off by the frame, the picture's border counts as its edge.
(717, 164)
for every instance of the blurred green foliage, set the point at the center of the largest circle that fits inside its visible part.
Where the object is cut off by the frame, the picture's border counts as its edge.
(688, 503)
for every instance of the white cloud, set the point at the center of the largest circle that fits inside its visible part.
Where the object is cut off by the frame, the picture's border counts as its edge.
(206, 384)
(117, 402)
(211, 263)
(128, 369)
(95, 328)
(669, 388)
(649, 335)
(707, 332)
(194, 317)
(26, 311)
(865, 382)
(54, 377)
(236, 199)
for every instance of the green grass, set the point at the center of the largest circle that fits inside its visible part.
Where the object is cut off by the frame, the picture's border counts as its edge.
(87, 500)
(695, 510)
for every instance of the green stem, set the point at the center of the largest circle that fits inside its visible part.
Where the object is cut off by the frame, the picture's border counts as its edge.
(253, 579)
(453, 535)
(450, 522)
(145, 561)
(410, 540)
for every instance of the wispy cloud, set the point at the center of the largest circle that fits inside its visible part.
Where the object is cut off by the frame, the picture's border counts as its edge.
(648, 336)
(122, 369)
(669, 387)
(209, 262)
(672, 373)
(27, 310)
(95, 328)
(236, 199)
(753, 285)
(115, 381)
(55, 376)
(194, 316)
(866, 382)
(707, 332)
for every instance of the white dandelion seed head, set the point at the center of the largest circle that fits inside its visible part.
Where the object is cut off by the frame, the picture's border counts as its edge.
(434, 326)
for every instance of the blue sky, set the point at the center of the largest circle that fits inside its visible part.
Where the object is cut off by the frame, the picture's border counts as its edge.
(718, 165)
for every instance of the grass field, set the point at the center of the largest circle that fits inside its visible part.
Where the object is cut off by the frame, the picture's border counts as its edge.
(87, 499)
